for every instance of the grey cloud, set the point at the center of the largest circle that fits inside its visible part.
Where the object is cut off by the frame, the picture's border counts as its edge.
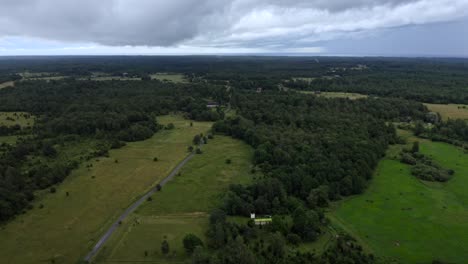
(215, 23)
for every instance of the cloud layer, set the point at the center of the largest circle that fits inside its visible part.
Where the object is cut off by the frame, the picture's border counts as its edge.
(266, 24)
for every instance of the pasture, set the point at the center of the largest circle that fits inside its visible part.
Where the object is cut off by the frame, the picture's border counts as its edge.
(170, 77)
(303, 79)
(351, 96)
(400, 218)
(111, 78)
(66, 227)
(182, 206)
(447, 111)
(16, 118)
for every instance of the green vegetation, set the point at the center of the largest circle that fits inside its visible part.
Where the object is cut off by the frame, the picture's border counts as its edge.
(98, 191)
(182, 206)
(352, 96)
(170, 77)
(402, 218)
(22, 119)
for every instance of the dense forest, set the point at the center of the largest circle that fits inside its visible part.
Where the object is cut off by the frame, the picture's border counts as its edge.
(421, 79)
(109, 113)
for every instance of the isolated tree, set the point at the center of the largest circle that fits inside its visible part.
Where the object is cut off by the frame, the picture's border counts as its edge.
(418, 128)
(196, 140)
(165, 247)
(190, 148)
(415, 147)
(190, 242)
(198, 151)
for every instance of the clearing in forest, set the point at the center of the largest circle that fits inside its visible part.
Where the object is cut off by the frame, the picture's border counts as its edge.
(16, 118)
(400, 217)
(452, 111)
(7, 84)
(67, 226)
(182, 206)
(351, 96)
(171, 77)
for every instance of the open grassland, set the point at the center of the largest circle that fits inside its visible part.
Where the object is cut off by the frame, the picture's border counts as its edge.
(304, 79)
(171, 77)
(400, 218)
(16, 118)
(7, 84)
(111, 78)
(67, 227)
(8, 139)
(351, 96)
(182, 206)
(452, 111)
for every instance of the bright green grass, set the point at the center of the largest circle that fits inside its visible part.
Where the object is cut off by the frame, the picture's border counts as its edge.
(402, 218)
(68, 227)
(176, 77)
(21, 118)
(182, 206)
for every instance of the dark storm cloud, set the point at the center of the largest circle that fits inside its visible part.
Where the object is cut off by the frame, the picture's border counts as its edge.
(215, 23)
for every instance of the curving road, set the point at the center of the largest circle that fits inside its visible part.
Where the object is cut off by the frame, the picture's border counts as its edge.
(132, 208)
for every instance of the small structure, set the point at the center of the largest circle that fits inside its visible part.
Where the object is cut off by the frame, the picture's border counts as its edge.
(212, 105)
(259, 89)
(262, 220)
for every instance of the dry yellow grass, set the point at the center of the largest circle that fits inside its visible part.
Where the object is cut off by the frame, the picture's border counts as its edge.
(452, 111)
(7, 84)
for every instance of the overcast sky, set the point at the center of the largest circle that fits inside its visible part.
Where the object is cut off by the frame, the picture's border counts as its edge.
(316, 27)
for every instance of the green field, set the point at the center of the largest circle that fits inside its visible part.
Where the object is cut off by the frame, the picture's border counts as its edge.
(8, 139)
(68, 227)
(182, 206)
(304, 79)
(171, 77)
(111, 78)
(447, 111)
(402, 218)
(21, 118)
(351, 96)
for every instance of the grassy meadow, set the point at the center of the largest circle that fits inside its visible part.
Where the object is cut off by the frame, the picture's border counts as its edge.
(405, 220)
(171, 77)
(447, 111)
(67, 227)
(12, 118)
(182, 206)
(352, 96)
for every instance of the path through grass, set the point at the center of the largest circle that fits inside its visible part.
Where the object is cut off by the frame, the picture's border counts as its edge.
(67, 227)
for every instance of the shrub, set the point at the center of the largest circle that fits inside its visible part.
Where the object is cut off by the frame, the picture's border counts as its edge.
(190, 242)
